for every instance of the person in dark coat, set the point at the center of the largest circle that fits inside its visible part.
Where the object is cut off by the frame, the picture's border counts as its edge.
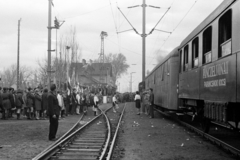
(30, 104)
(84, 103)
(19, 102)
(151, 101)
(53, 113)
(44, 103)
(74, 102)
(67, 101)
(37, 103)
(6, 103)
(1, 100)
(12, 102)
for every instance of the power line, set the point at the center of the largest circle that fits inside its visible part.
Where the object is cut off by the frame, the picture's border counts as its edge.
(126, 14)
(179, 23)
(87, 12)
(159, 35)
(128, 49)
(114, 24)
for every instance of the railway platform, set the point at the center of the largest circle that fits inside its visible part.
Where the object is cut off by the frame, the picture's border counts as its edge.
(23, 139)
(143, 138)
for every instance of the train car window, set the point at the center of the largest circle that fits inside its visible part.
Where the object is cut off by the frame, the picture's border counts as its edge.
(195, 46)
(154, 78)
(163, 66)
(181, 61)
(225, 34)
(207, 45)
(185, 58)
(158, 75)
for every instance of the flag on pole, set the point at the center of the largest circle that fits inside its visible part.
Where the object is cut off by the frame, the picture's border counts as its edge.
(68, 86)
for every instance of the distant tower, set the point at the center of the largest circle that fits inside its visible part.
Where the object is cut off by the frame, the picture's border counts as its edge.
(101, 57)
(102, 35)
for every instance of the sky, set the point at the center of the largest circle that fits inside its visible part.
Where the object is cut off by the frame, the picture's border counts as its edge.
(90, 18)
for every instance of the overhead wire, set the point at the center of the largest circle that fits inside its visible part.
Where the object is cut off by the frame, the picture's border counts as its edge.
(128, 49)
(87, 12)
(159, 34)
(115, 24)
(179, 23)
(126, 15)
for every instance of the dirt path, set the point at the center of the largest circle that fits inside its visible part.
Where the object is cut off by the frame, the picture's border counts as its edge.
(142, 138)
(24, 139)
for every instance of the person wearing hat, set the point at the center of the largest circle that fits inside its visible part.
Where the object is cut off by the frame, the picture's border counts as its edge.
(53, 113)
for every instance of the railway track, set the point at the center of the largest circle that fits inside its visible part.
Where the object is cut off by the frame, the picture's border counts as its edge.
(93, 140)
(226, 146)
(71, 130)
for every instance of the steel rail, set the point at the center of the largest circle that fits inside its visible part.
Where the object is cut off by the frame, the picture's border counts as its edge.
(53, 149)
(110, 152)
(62, 137)
(214, 140)
(108, 137)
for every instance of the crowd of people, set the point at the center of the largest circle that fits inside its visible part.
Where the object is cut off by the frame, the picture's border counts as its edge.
(145, 102)
(32, 103)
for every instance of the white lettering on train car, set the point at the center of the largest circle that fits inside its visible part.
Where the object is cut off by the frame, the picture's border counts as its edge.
(216, 70)
(222, 82)
(215, 83)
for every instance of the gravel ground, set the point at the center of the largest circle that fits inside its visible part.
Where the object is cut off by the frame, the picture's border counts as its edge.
(24, 139)
(141, 138)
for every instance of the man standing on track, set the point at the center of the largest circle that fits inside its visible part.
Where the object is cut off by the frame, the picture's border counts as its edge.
(96, 101)
(151, 101)
(53, 113)
(114, 103)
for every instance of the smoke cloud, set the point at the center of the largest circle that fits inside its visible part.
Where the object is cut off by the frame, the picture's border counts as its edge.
(160, 54)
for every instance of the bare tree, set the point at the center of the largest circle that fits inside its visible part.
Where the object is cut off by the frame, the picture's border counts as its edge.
(119, 65)
(9, 75)
(69, 52)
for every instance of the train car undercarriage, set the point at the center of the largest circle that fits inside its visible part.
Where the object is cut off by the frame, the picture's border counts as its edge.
(222, 113)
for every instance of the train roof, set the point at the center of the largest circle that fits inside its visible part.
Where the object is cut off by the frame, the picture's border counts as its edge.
(207, 21)
(173, 53)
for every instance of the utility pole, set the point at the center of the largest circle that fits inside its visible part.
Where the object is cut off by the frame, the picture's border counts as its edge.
(18, 50)
(144, 35)
(144, 40)
(49, 41)
(49, 69)
(131, 81)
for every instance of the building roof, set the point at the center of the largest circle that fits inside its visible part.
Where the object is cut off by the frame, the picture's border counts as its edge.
(94, 70)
